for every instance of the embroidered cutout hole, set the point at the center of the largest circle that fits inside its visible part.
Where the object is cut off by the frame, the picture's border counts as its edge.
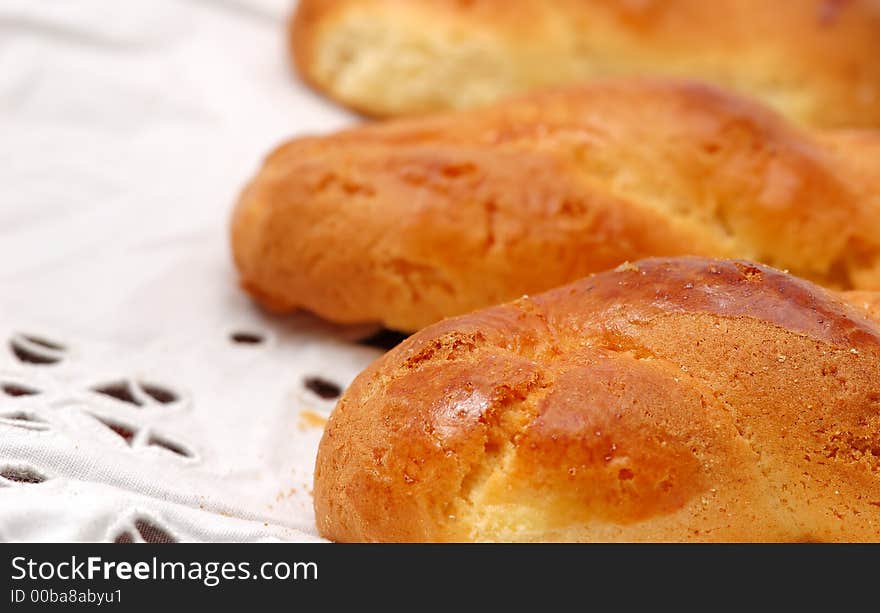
(15, 390)
(151, 533)
(124, 537)
(21, 416)
(118, 390)
(156, 441)
(20, 419)
(136, 393)
(247, 338)
(124, 432)
(42, 342)
(159, 394)
(35, 349)
(322, 388)
(21, 475)
(28, 356)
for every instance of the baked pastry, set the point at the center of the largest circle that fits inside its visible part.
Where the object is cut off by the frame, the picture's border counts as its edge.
(674, 399)
(815, 60)
(410, 221)
(868, 302)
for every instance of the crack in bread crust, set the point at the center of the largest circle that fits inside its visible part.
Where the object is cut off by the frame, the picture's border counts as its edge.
(678, 399)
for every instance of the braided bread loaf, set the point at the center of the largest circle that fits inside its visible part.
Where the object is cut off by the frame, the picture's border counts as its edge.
(815, 60)
(410, 221)
(673, 400)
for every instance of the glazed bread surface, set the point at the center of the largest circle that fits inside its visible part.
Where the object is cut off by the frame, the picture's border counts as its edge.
(682, 399)
(868, 302)
(410, 221)
(815, 60)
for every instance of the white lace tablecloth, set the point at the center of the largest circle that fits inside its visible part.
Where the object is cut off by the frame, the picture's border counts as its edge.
(128, 409)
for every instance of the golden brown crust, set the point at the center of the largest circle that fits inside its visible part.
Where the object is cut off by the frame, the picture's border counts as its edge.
(868, 302)
(411, 221)
(674, 400)
(812, 59)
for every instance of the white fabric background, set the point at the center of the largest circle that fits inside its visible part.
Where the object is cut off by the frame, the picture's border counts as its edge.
(126, 131)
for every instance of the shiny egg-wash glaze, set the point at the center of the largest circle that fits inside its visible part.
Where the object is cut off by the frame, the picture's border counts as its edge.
(681, 399)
